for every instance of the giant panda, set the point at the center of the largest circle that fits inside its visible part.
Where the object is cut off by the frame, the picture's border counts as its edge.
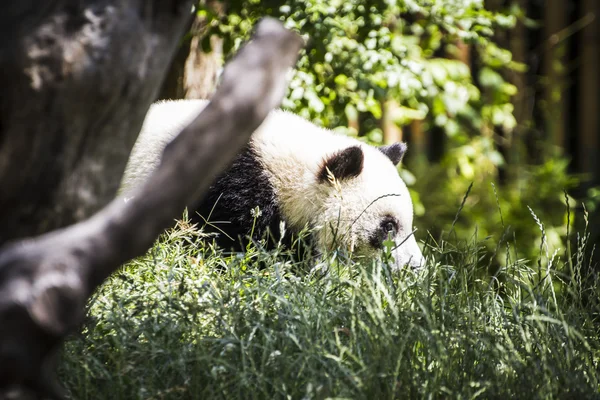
(348, 193)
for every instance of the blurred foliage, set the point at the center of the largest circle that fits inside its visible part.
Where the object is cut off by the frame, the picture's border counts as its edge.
(360, 54)
(511, 212)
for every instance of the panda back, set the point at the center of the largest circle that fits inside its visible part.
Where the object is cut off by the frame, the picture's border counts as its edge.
(163, 122)
(240, 202)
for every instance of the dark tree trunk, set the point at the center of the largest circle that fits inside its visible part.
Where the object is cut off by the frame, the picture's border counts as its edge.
(172, 87)
(77, 79)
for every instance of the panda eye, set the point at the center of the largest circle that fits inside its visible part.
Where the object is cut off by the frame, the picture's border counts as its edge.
(389, 227)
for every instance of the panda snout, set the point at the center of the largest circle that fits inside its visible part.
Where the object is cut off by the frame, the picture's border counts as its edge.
(417, 262)
(409, 254)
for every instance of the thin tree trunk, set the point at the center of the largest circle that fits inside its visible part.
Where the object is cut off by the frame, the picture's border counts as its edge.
(202, 69)
(589, 102)
(554, 72)
(194, 73)
(392, 133)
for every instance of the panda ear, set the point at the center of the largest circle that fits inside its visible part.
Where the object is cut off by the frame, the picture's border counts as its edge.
(344, 164)
(395, 152)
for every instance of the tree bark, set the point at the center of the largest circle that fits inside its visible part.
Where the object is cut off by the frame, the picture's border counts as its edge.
(194, 72)
(77, 79)
(202, 69)
(392, 133)
(172, 86)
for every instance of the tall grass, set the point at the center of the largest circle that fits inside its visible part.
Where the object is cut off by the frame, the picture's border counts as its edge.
(184, 321)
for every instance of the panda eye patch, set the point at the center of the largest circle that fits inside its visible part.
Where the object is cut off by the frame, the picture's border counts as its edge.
(387, 227)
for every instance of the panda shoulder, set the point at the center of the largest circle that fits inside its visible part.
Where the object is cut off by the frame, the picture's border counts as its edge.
(164, 120)
(167, 118)
(288, 129)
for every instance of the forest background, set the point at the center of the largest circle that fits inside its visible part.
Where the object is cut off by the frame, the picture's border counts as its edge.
(497, 98)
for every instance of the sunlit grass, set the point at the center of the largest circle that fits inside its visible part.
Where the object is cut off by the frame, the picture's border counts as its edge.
(186, 322)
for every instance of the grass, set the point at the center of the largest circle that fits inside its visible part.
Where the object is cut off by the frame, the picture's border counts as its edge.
(186, 322)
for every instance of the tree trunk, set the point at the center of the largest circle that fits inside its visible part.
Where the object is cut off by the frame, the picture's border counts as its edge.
(77, 79)
(194, 72)
(392, 133)
(589, 102)
(172, 87)
(202, 69)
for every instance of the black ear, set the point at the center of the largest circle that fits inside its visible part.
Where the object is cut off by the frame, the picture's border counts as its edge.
(395, 152)
(344, 164)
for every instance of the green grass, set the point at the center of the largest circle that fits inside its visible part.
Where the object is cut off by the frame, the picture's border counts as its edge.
(185, 322)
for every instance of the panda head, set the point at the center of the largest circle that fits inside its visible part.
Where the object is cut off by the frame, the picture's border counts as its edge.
(365, 202)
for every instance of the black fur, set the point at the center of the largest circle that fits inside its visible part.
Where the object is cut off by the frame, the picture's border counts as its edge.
(241, 188)
(345, 164)
(395, 152)
(380, 234)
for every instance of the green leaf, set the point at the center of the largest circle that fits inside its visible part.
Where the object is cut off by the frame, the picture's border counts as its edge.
(490, 78)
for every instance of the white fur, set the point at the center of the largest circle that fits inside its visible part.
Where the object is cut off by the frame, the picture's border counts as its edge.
(163, 122)
(292, 151)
